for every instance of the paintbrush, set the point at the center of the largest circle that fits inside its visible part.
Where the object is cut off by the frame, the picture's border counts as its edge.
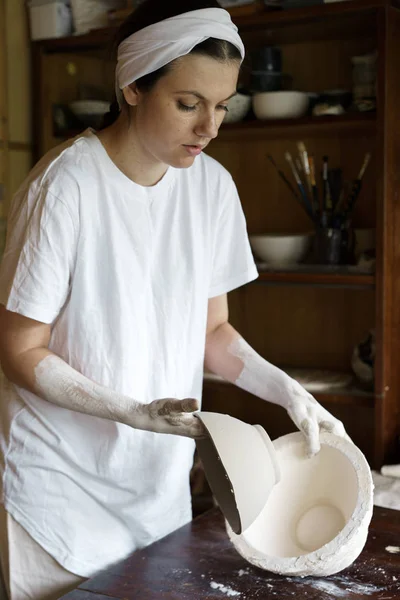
(305, 164)
(348, 204)
(337, 218)
(300, 185)
(313, 184)
(335, 180)
(298, 165)
(327, 198)
(284, 178)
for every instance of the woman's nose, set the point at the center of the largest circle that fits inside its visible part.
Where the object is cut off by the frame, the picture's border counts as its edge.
(208, 126)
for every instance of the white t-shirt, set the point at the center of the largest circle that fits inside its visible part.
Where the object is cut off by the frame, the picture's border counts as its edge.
(123, 273)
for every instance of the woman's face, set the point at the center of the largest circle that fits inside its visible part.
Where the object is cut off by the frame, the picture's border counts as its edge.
(182, 113)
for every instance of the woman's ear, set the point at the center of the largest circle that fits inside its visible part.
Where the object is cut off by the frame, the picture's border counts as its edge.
(131, 94)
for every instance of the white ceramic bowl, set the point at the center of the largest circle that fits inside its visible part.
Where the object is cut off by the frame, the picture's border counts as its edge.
(280, 105)
(281, 249)
(240, 466)
(316, 519)
(238, 107)
(89, 107)
(90, 112)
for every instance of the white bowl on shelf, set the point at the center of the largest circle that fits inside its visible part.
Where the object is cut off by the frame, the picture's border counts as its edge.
(90, 112)
(281, 249)
(283, 104)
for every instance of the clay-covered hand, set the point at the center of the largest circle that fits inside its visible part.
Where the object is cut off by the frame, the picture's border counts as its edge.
(59, 383)
(311, 418)
(261, 378)
(169, 416)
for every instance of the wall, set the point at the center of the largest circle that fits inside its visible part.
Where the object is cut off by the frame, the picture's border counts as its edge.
(15, 98)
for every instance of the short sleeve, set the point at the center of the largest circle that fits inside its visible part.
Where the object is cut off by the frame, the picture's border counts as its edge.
(37, 265)
(232, 264)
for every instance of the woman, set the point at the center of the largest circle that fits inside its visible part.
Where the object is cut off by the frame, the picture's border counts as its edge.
(122, 246)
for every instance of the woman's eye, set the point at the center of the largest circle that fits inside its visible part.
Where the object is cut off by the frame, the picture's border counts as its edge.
(186, 107)
(224, 107)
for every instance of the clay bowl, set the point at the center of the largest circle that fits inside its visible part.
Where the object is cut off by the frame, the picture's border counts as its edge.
(281, 249)
(238, 107)
(316, 519)
(90, 112)
(280, 104)
(240, 466)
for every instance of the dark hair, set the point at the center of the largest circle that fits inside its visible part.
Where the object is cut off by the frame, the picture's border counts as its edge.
(150, 12)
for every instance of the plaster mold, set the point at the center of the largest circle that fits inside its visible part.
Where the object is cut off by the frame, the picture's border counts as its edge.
(316, 519)
(227, 453)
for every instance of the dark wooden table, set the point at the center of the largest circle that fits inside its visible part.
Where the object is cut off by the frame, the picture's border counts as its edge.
(198, 562)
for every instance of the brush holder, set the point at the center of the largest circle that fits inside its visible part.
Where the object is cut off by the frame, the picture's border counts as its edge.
(333, 246)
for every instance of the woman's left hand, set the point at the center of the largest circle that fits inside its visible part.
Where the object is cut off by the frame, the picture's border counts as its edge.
(311, 418)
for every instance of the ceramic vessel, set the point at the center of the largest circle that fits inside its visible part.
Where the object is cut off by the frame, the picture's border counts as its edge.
(240, 465)
(281, 249)
(280, 105)
(90, 112)
(316, 519)
(267, 58)
(265, 81)
(238, 107)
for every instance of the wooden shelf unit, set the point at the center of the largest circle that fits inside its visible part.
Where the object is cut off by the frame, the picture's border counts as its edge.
(334, 15)
(317, 279)
(348, 396)
(321, 315)
(347, 124)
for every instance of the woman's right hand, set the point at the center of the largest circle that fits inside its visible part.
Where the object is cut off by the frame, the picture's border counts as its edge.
(169, 415)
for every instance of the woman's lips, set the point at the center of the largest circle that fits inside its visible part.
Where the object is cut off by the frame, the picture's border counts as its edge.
(193, 150)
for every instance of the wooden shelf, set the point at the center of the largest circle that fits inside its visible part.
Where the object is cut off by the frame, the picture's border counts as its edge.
(334, 277)
(352, 395)
(93, 40)
(349, 124)
(275, 17)
(340, 125)
(269, 21)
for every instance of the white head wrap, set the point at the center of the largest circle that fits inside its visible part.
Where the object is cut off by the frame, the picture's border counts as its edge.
(157, 45)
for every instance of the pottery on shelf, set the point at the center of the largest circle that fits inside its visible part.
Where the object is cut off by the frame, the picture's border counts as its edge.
(316, 519)
(281, 249)
(238, 107)
(280, 104)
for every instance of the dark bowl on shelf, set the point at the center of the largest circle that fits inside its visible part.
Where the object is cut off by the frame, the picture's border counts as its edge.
(334, 97)
(314, 99)
(267, 58)
(265, 81)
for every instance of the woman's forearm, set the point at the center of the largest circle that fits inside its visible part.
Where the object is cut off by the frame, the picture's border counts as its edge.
(52, 379)
(45, 374)
(230, 356)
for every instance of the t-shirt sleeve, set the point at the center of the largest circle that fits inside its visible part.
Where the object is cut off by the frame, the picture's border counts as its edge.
(39, 257)
(233, 264)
